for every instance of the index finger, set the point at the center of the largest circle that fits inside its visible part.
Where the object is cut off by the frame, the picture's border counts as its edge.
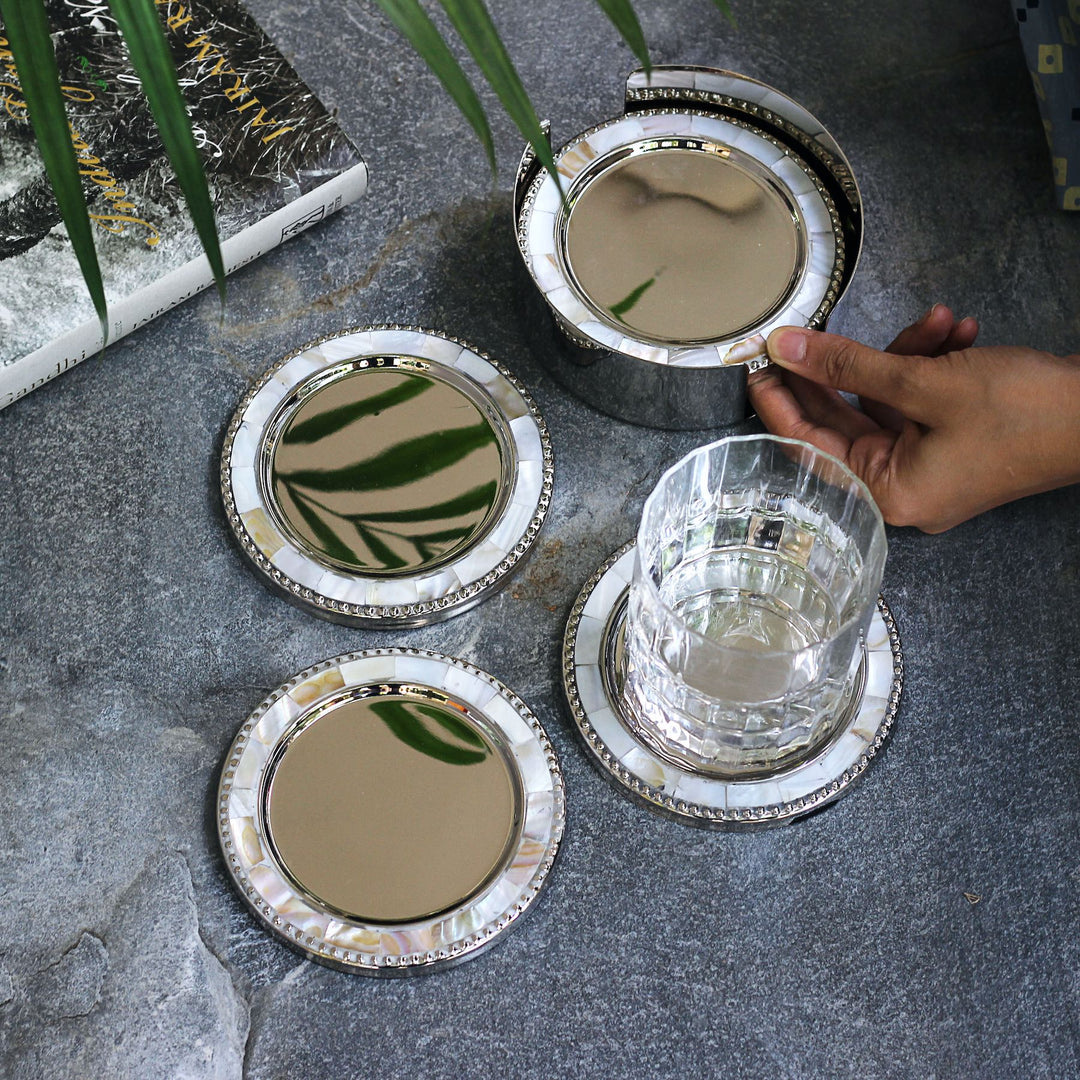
(904, 382)
(781, 413)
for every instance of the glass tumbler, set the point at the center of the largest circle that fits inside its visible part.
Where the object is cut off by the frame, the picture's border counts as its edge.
(758, 566)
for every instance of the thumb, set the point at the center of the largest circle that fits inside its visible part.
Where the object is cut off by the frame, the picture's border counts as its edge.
(839, 362)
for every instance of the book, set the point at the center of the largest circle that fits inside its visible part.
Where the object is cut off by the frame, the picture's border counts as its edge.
(276, 163)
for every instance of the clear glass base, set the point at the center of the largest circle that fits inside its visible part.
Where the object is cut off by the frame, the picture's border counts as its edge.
(756, 751)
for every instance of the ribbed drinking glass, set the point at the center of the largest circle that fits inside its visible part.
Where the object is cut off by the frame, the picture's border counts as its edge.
(759, 561)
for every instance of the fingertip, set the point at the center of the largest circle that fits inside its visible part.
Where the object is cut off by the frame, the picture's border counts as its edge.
(762, 374)
(759, 383)
(938, 314)
(772, 400)
(787, 345)
(963, 334)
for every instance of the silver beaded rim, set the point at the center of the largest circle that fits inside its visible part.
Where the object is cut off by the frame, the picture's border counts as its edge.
(708, 801)
(369, 948)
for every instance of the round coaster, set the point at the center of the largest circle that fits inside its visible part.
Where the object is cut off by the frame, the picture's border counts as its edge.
(388, 476)
(695, 798)
(684, 238)
(390, 812)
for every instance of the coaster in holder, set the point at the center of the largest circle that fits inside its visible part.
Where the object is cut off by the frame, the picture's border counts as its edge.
(677, 237)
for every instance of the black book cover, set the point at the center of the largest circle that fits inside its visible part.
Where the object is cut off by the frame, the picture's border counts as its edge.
(266, 141)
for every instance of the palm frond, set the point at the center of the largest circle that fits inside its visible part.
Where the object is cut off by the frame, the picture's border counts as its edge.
(413, 22)
(473, 24)
(725, 7)
(150, 56)
(27, 29)
(623, 17)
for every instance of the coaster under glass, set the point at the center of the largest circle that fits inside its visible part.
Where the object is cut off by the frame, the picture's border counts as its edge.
(645, 773)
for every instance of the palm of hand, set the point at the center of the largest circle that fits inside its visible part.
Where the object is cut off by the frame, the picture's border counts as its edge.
(945, 430)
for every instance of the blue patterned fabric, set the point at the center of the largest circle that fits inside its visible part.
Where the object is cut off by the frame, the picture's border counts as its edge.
(1050, 31)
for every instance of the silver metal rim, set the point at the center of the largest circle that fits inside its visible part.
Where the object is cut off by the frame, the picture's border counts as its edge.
(704, 800)
(809, 302)
(396, 601)
(370, 948)
(675, 83)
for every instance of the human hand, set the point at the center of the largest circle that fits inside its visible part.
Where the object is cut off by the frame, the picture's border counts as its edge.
(946, 432)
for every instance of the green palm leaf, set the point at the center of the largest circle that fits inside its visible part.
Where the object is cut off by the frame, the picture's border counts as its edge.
(27, 29)
(332, 544)
(388, 558)
(411, 19)
(458, 728)
(474, 499)
(424, 551)
(725, 7)
(625, 20)
(631, 300)
(442, 537)
(475, 28)
(150, 56)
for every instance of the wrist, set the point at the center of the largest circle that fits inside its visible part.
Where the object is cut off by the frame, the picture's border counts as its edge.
(1054, 448)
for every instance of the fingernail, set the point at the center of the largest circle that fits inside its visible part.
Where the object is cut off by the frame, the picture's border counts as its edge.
(932, 312)
(787, 346)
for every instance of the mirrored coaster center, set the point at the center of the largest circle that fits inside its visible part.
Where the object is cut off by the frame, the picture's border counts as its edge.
(393, 806)
(681, 242)
(384, 468)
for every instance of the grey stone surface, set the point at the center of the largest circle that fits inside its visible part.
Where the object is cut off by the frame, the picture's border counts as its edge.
(133, 641)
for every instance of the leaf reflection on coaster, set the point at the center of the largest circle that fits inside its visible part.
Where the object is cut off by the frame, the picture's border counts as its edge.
(406, 723)
(359, 494)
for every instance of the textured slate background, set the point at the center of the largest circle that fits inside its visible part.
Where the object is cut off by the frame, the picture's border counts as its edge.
(133, 641)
